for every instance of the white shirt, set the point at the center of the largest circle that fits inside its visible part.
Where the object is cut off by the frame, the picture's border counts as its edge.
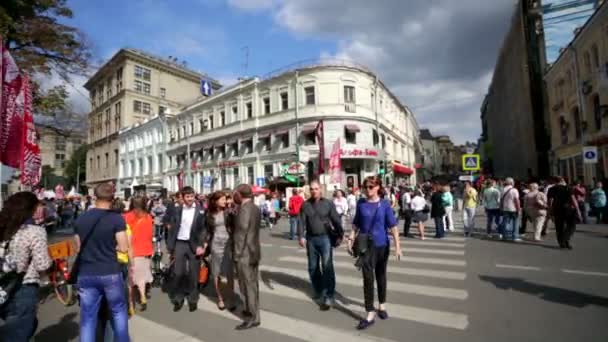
(186, 224)
(418, 203)
(341, 205)
(352, 201)
(509, 197)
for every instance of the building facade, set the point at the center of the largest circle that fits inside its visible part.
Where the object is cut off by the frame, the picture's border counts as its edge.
(577, 85)
(57, 146)
(430, 159)
(131, 87)
(257, 129)
(449, 156)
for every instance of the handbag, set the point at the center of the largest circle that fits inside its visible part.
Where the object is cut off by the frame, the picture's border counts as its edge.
(203, 273)
(73, 276)
(363, 240)
(10, 280)
(334, 236)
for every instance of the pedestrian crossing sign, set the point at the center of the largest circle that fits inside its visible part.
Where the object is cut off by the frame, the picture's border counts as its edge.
(470, 162)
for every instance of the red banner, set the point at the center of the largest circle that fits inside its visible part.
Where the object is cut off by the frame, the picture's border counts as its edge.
(335, 163)
(180, 180)
(11, 110)
(30, 151)
(321, 142)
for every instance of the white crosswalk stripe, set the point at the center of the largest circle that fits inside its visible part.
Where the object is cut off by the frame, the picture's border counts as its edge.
(392, 269)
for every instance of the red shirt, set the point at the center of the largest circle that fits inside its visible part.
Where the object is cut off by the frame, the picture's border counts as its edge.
(295, 204)
(142, 230)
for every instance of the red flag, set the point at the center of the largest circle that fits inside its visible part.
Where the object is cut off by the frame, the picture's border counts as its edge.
(180, 180)
(30, 151)
(335, 163)
(321, 142)
(11, 110)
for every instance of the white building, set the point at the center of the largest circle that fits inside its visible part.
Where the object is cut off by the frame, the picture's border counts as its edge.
(247, 132)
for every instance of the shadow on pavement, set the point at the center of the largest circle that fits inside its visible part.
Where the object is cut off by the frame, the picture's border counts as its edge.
(524, 242)
(64, 330)
(303, 286)
(548, 293)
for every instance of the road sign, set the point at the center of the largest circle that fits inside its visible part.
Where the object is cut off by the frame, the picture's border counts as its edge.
(470, 162)
(590, 154)
(207, 180)
(206, 88)
(466, 178)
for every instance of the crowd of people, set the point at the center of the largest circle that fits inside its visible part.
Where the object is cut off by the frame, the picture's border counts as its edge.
(118, 241)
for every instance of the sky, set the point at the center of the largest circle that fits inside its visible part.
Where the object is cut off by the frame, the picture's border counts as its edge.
(560, 25)
(437, 56)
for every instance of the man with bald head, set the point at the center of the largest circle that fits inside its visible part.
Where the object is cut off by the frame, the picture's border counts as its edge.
(246, 254)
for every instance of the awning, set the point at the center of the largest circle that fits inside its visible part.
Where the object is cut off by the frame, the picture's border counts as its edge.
(352, 128)
(402, 169)
(281, 132)
(264, 135)
(307, 129)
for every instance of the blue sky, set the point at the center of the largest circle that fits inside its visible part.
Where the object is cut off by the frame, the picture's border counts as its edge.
(560, 25)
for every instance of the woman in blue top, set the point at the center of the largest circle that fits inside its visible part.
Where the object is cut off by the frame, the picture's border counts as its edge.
(374, 216)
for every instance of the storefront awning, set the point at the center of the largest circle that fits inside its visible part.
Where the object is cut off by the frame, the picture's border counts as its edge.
(307, 129)
(402, 169)
(352, 128)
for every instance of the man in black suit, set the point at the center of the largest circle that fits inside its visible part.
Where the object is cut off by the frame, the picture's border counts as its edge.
(246, 254)
(185, 244)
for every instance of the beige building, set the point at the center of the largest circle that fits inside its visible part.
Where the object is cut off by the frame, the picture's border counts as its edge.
(577, 86)
(57, 146)
(130, 88)
(449, 156)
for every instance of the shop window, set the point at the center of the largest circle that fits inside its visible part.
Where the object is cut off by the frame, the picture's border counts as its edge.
(350, 136)
(310, 139)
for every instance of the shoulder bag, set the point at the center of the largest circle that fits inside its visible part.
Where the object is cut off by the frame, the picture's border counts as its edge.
(363, 241)
(73, 277)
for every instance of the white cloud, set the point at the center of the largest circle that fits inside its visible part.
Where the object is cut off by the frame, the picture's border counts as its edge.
(78, 96)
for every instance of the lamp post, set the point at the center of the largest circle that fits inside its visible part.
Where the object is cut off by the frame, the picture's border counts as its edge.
(297, 128)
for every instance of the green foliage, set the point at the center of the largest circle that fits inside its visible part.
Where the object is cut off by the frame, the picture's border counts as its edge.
(79, 158)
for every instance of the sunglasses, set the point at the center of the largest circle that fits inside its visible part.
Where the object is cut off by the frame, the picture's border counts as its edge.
(370, 187)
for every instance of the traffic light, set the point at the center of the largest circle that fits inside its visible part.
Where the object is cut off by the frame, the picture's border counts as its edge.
(382, 169)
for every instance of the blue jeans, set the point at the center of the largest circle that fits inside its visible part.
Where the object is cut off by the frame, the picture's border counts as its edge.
(293, 226)
(439, 229)
(321, 266)
(493, 215)
(92, 289)
(509, 226)
(19, 315)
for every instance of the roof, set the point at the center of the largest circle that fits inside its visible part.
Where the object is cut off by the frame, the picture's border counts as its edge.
(425, 134)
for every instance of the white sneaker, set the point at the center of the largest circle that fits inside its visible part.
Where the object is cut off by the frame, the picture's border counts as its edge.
(518, 240)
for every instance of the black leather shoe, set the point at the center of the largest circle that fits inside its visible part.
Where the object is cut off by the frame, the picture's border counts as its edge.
(178, 306)
(247, 325)
(382, 314)
(364, 324)
(192, 307)
(324, 307)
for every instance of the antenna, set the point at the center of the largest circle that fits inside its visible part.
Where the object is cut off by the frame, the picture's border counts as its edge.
(246, 64)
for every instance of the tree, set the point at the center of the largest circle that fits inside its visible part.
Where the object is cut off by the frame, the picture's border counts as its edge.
(42, 45)
(49, 179)
(78, 160)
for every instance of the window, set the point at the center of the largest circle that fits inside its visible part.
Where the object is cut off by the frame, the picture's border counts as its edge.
(285, 140)
(595, 55)
(107, 163)
(91, 162)
(235, 176)
(268, 171)
(349, 94)
(221, 150)
(118, 80)
(248, 146)
(210, 121)
(375, 137)
(60, 143)
(159, 160)
(109, 89)
(235, 149)
(310, 138)
(266, 101)
(235, 113)
(163, 92)
(577, 123)
(146, 108)
(140, 167)
(117, 122)
(116, 157)
(350, 136)
(183, 131)
(284, 101)
(191, 128)
(265, 142)
(249, 109)
(161, 110)
(147, 88)
(587, 61)
(107, 121)
(100, 92)
(250, 175)
(92, 93)
(139, 86)
(137, 107)
(201, 125)
(222, 118)
(310, 95)
(383, 139)
(150, 167)
(117, 108)
(597, 113)
(142, 72)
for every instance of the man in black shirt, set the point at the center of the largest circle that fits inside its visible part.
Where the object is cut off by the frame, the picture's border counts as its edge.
(315, 216)
(565, 212)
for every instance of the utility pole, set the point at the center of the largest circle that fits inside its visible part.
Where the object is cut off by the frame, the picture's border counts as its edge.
(78, 177)
(297, 129)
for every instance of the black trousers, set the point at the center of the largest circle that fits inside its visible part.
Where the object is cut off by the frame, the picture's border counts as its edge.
(564, 228)
(407, 222)
(250, 290)
(186, 268)
(374, 264)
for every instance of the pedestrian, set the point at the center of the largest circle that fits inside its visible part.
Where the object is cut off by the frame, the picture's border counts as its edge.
(448, 205)
(317, 217)
(419, 212)
(24, 257)
(295, 205)
(550, 183)
(510, 208)
(276, 208)
(185, 245)
(265, 208)
(523, 190)
(341, 205)
(566, 212)
(351, 200)
(535, 207)
(374, 219)
(438, 211)
(470, 205)
(141, 225)
(491, 203)
(219, 223)
(598, 202)
(247, 254)
(100, 233)
(406, 211)
(580, 193)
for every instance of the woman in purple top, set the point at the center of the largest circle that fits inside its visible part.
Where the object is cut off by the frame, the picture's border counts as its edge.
(374, 216)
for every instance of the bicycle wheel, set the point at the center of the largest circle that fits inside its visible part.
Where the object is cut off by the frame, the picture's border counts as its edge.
(63, 290)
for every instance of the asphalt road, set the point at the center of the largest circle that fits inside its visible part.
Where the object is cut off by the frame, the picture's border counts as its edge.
(454, 289)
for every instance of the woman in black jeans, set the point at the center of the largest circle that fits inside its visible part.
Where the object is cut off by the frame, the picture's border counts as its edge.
(375, 217)
(28, 256)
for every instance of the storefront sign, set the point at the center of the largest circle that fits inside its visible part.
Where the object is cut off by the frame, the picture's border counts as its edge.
(335, 165)
(207, 181)
(354, 153)
(293, 169)
(226, 164)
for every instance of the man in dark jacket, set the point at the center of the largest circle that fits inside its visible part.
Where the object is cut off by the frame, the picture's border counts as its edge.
(316, 215)
(247, 254)
(185, 244)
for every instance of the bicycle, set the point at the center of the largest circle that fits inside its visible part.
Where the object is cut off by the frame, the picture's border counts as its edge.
(59, 272)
